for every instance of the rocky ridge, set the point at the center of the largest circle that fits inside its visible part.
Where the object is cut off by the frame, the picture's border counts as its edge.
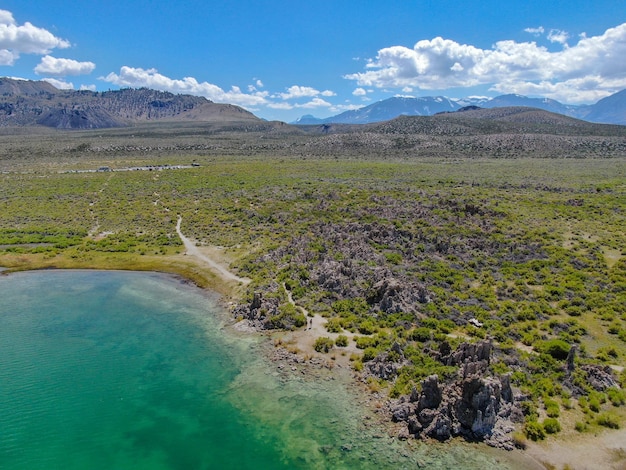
(28, 103)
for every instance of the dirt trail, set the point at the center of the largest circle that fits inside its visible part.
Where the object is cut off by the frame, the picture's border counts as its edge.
(193, 250)
(605, 450)
(304, 339)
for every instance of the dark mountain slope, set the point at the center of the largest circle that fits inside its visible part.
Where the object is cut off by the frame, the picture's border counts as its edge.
(27, 103)
(611, 109)
(10, 86)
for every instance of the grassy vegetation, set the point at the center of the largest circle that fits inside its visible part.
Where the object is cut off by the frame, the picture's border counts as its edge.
(402, 250)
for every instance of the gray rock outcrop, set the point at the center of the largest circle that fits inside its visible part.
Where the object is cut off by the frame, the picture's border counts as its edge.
(598, 377)
(259, 311)
(384, 366)
(473, 405)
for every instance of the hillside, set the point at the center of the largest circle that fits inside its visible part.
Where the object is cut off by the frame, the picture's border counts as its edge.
(512, 119)
(504, 132)
(28, 103)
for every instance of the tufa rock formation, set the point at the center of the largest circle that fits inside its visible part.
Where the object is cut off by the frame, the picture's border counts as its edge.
(474, 405)
(599, 378)
(259, 311)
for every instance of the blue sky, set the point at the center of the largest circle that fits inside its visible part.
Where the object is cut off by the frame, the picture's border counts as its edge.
(282, 59)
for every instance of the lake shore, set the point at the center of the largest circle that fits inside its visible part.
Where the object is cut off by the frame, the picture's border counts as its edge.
(293, 353)
(606, 449)
(585, 451)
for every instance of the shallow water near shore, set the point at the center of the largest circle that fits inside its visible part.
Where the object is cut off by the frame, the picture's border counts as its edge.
(125, 370)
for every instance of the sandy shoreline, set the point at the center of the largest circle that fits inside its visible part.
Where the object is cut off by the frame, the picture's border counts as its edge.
(605, 450)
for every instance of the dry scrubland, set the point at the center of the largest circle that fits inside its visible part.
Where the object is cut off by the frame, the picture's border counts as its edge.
(397, 234)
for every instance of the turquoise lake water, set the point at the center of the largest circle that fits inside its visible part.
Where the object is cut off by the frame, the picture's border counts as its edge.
(123, 370)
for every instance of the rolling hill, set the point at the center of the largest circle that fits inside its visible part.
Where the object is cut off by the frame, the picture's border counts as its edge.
(509, 132)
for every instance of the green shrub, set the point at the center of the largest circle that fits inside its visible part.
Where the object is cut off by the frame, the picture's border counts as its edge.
(393, 258)
(367, 327)
(594, 404)
(334, 325)
(499, 368)
(446, 326)
(574, 311)
(299, 320)
(393, 356)
(608, 421)
(529, 409)
(556, 348)
(341, 341)
(601, 397)
(552, 408)
(421, 334)
(323, 344)
(614, 328)
(369, 354)
(580, 426)
(534, 431)
(363, 342)
(616, 396)
(551, 425)
(519, 440)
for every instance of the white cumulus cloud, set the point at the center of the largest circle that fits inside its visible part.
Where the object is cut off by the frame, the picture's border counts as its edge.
(314, 103)
(559, 36)
(60, 84)
(151, 78)
(296, 92)
(359, 92)
(509, 66)
(6, 17)
(535, 31)
(18, 39)
(62, 67)
(282, 106)
(340, 108)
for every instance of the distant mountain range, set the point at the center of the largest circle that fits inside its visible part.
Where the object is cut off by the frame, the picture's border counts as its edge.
(28, 103)
(609, 110)
(38, 103)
